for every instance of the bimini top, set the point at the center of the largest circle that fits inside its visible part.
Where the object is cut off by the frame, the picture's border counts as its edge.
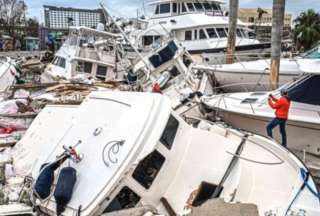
(153, 2)
(99, 124)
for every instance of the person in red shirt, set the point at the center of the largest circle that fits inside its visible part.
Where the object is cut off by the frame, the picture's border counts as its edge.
(282, 107)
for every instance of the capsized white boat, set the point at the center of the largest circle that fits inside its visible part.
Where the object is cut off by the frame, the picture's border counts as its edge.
(87, 53)
(250, 110)
(135, 151)
(255, 75)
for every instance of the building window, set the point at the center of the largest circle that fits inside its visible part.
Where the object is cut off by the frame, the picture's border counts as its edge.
(125, 199)
(148, 169)
(169, 134)
(251, 19)
(188, 35)
(221, 32)
(202, 34)
(212, 33)
(165, 8)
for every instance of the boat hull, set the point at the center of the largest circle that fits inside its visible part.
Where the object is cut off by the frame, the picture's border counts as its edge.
(236, 81)
(301, 135)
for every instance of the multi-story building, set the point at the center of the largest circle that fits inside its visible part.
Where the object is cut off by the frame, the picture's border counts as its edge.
(260, 20)
(62, 18)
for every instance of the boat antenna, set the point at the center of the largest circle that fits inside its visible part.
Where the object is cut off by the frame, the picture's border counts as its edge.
(107, 14)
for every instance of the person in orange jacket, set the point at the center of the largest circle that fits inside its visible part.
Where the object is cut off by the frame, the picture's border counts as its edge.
(282, 107)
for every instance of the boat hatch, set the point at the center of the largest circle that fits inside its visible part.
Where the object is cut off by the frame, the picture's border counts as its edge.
(164, 55)
(249, 100)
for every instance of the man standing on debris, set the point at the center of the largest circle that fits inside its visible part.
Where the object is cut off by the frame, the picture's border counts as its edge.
(281, 106)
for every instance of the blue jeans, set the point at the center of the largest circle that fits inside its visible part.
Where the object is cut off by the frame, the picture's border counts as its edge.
(282, 124)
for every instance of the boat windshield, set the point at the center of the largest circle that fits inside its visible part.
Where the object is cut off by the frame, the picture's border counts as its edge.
(312, 54)
(306, 91)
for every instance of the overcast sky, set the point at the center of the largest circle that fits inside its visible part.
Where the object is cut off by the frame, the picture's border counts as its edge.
(128, 8)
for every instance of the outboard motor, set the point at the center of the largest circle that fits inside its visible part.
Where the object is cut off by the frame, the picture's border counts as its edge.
(64, 188)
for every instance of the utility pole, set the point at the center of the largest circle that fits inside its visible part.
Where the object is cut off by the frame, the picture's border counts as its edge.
(278, 11)
(233, 18)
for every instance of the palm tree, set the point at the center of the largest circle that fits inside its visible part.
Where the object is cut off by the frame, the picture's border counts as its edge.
(307, 29)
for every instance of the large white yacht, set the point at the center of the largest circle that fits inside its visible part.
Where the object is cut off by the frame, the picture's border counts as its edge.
(200, 26)
(131, 150)
(250, 110)
(86, 52)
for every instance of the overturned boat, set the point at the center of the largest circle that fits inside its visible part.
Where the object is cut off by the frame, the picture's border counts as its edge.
(131, 150)
(250, 110)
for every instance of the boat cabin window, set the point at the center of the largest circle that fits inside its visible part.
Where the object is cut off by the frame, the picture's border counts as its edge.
(101, 72)
(190, 7)
(195, 34)
(169, 133)
(165, 8)
(174, 8)
(84, 67)
(202, 34)
(221, 32)
(207, 6)
(188, 35)
(147, 40)
(183, 8)
(307, 91)
(252, 35)
(148, 169)
(244, 33)
(157, 10)
(125, 199)
(59, 61)
(239, 33)
(212, 33)
(198, 6)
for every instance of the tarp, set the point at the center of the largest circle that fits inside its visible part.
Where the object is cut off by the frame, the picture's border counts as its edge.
(164, 55)
(307, 92)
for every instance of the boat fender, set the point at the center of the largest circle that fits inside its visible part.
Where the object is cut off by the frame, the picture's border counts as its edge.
(44, 181)
(64, 188)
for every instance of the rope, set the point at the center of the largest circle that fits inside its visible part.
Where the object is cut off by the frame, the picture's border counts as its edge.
(305, 177)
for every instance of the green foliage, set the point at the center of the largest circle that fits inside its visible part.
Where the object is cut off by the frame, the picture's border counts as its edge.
(307, 29)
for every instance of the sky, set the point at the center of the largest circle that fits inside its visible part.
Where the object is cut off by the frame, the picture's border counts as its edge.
(128, 8)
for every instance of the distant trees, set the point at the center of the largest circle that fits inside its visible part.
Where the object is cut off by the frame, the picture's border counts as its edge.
(307, 29)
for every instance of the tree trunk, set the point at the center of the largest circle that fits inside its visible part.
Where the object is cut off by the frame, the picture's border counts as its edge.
(233, 17)
(277, 31)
